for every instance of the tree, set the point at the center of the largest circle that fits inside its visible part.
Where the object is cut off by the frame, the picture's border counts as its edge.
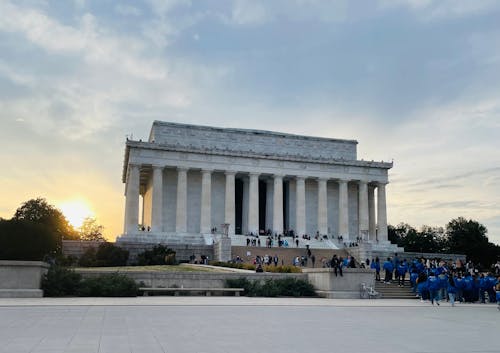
(40, 212)
(469, 237)
(24, 240)
(90, 230)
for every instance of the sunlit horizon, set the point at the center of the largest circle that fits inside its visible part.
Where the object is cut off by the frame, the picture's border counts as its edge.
(76, 211)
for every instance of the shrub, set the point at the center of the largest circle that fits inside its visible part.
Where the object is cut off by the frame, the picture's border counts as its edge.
(286, 287)
(107, 254)
(158, 255)
(88, 258)
(109, 285)
(60, 281)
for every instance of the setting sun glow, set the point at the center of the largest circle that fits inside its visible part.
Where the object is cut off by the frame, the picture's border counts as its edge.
(76, 211)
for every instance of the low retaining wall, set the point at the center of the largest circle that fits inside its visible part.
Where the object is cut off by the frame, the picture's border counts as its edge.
(323, 279)
(21, 279)
(340, 287)
(191, 279)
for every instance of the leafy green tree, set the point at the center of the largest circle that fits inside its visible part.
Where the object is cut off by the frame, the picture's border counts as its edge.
(90, 230)
(41, 212)
(469, 237)
(24, 240)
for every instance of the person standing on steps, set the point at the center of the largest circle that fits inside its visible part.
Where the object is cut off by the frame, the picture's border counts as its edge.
(376, 266)
(388, 268)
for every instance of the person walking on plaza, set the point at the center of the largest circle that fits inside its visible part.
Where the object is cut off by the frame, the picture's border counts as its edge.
(452, 290)
(433, 285)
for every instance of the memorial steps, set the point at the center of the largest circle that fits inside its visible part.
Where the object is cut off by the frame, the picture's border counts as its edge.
(393, 291)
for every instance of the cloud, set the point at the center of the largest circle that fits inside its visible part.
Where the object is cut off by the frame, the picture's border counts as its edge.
(127, 10)
(434, 10)
(246, 12)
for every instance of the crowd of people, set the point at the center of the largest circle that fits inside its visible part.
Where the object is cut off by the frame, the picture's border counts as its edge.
(437, 280)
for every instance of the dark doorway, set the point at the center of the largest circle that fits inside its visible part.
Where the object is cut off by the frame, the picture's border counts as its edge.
(262, 204)
(286, 195)
(238, 198)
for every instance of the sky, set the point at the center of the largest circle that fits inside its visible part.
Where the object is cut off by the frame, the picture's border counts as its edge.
(413, 81)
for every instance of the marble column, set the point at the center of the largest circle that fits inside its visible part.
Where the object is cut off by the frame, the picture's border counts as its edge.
(132, 199)
(278, 204)
(181, 208)
(363, 210)
(300, 206)
(343, 210)
(322, 207)
(253, 204)
(381, 213)
(157, 200)
(269, 203)
(230, 202)
(371, 211)
(206, 202)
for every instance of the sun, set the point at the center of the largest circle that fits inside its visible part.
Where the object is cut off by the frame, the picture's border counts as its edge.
(76, 211)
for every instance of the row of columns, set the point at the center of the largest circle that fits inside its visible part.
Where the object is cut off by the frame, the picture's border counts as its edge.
(367, 225)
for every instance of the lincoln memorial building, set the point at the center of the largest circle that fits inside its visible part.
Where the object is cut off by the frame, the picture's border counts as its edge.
(188, 180)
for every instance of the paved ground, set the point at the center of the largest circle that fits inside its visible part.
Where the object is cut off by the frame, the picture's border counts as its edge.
(239, 325)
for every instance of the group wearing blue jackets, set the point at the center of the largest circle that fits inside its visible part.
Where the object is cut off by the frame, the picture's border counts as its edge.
(388, 268)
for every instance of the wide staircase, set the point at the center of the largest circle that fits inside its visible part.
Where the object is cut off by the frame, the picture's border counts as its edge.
(393, 291)
(285, 255)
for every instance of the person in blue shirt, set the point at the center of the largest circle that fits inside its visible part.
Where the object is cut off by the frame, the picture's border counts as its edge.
(376, 266)
(460, 284)
(413, 280)
(401, 271)
(483, 287)
(388, 268)
(491, 283)
(423, 290)
(497, 289)
(433, 285)
(468, 288)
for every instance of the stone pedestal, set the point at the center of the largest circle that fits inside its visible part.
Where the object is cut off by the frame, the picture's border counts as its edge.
(222, 249)
(21, 279)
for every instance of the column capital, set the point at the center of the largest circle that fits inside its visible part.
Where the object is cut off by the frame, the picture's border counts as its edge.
(230, 172)
(254, 174)
(363, 182)
(182, 169)
(343, 181)
(300, 177)
(157, 166)
(278, 176)
(206, 170)
(322, 179)
(382, 184)
(134, 165)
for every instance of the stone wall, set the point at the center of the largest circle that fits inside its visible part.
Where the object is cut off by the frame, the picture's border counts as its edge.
(254, 141)
(192, 279)
(21, 279)
(347, 286)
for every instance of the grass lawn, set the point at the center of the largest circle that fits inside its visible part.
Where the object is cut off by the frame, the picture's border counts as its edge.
(158, 268)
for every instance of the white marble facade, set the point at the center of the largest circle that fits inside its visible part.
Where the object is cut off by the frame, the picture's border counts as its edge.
(192, 178)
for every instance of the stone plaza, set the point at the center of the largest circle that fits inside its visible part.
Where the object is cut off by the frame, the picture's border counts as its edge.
(229, 324)
(187, 180)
